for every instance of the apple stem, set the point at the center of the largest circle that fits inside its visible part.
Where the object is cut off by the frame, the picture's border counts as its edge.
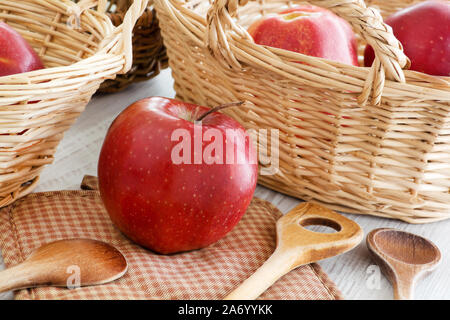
(222, 106)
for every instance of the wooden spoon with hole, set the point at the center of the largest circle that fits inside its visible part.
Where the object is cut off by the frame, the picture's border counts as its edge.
(298, 246)
(53, 263)
(403, 257)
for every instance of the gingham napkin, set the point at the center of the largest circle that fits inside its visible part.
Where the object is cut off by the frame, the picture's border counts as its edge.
(209, 273)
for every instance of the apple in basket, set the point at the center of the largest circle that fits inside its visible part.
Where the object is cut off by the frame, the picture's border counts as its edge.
(424, 31)
(16, 55)
(171, 183)
(308, 30)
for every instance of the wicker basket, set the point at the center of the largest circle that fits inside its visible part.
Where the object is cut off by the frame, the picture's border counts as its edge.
(149, 54)
(362, 140)
(80, 49)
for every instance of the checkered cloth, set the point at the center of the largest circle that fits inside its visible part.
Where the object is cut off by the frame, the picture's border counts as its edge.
(209, 273)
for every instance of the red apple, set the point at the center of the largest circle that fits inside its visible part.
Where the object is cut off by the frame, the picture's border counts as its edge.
(424, 31)
(162, 184)
(309, 30)
(16, 55)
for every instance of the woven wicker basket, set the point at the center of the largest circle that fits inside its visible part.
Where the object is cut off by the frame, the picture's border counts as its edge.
(149, 54)
(80, 49)
(362, 140)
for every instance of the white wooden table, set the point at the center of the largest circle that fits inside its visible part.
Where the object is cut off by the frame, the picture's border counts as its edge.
(353, 272)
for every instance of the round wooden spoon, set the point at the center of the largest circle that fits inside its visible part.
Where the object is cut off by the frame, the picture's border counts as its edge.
(297, 246)
(53, 264)
(403, 257)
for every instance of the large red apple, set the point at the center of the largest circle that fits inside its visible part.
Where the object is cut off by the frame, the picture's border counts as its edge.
(165, 186)
(308, 30)
(16, 55)
(424, 31)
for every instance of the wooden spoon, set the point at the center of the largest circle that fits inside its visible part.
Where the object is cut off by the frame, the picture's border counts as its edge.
(403, 257)
(298, 246)
(53, 263)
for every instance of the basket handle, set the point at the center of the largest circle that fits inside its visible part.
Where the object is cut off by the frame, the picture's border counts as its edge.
(126, 29)
(368, 23)
(125, 41)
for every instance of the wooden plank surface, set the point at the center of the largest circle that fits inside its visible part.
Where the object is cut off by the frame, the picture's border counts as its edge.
(353, 272)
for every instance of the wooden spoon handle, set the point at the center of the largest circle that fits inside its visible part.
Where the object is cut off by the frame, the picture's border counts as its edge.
(273, 269)
(17, 277)
(403, 290)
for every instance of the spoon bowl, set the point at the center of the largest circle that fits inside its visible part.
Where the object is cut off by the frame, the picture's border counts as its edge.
(92, 262)
(403, 257)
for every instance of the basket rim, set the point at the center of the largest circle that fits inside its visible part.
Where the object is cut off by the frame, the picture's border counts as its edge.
(295, 55)
(108, 39)
(438, 85)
